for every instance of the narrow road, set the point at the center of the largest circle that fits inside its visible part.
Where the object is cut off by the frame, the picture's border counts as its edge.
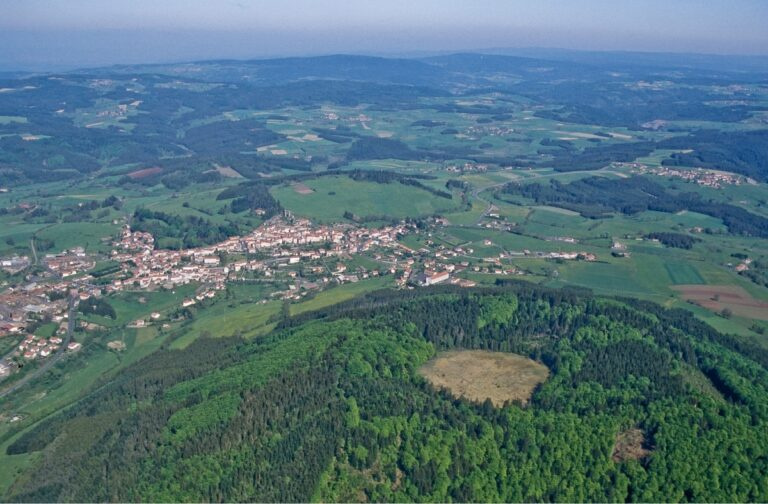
(478, 190)
(475, 194)
(53, 359)
(34, 252)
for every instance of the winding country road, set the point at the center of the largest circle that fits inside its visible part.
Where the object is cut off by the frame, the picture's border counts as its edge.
(475, 194)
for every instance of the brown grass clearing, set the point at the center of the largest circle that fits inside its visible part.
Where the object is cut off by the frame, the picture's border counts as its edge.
(302, 188)
(146, 172)
(630, 445)
(479, 375)
(579, 134)
(227, 171)
(720, 297)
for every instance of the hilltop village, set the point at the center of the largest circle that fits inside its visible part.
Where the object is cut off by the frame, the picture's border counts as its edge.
(712, 179)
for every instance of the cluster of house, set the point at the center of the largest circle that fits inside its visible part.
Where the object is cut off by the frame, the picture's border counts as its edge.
(149, 268)
(467, 167)
(69, 263)
(269, 250)
(619, 249)
(278, 243)
(707, 178)
(14, 264)
(443, 252)
(284, 242)
(477, 132)
(564, 239)
(333, 116)
(155, 316)
(569, 256)
(34, 347)
(440, 263)
(427, 278)
(19, 305)
(743, 265)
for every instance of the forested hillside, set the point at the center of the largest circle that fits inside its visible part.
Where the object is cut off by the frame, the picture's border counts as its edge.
(330, 407)
(595, 197)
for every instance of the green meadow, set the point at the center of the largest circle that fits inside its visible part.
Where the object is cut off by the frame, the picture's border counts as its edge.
(341, 293)
(682, 273)
(332, 196)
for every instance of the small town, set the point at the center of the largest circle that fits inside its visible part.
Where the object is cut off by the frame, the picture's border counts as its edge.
(284, 250)
(706, 178)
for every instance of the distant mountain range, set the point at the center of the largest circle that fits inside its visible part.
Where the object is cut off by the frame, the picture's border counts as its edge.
(461, 69)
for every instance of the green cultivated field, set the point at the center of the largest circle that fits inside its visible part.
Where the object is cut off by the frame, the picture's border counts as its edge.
(642, 277)
(226, 319)
(131, 306)
(361, 198)
(681, 273)
(341, 293)
(79, 234)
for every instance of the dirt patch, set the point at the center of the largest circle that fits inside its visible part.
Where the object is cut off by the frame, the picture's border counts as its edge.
(630, 445)
(720, 297)
(557, 210)
(302, 189)
(579, 134)
(227, 171)
(116, 345)
(146, 172)
(479, 375)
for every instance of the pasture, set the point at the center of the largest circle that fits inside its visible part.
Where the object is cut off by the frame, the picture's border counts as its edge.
(130, 306)
(683, 273)
(225, 319)
(89, 235)
(332, 196)
(341, 293)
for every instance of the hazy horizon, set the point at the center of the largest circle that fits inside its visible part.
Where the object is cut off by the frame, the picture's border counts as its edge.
(56, 34)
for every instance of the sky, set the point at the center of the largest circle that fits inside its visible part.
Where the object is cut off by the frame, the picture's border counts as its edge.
(45, 34)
